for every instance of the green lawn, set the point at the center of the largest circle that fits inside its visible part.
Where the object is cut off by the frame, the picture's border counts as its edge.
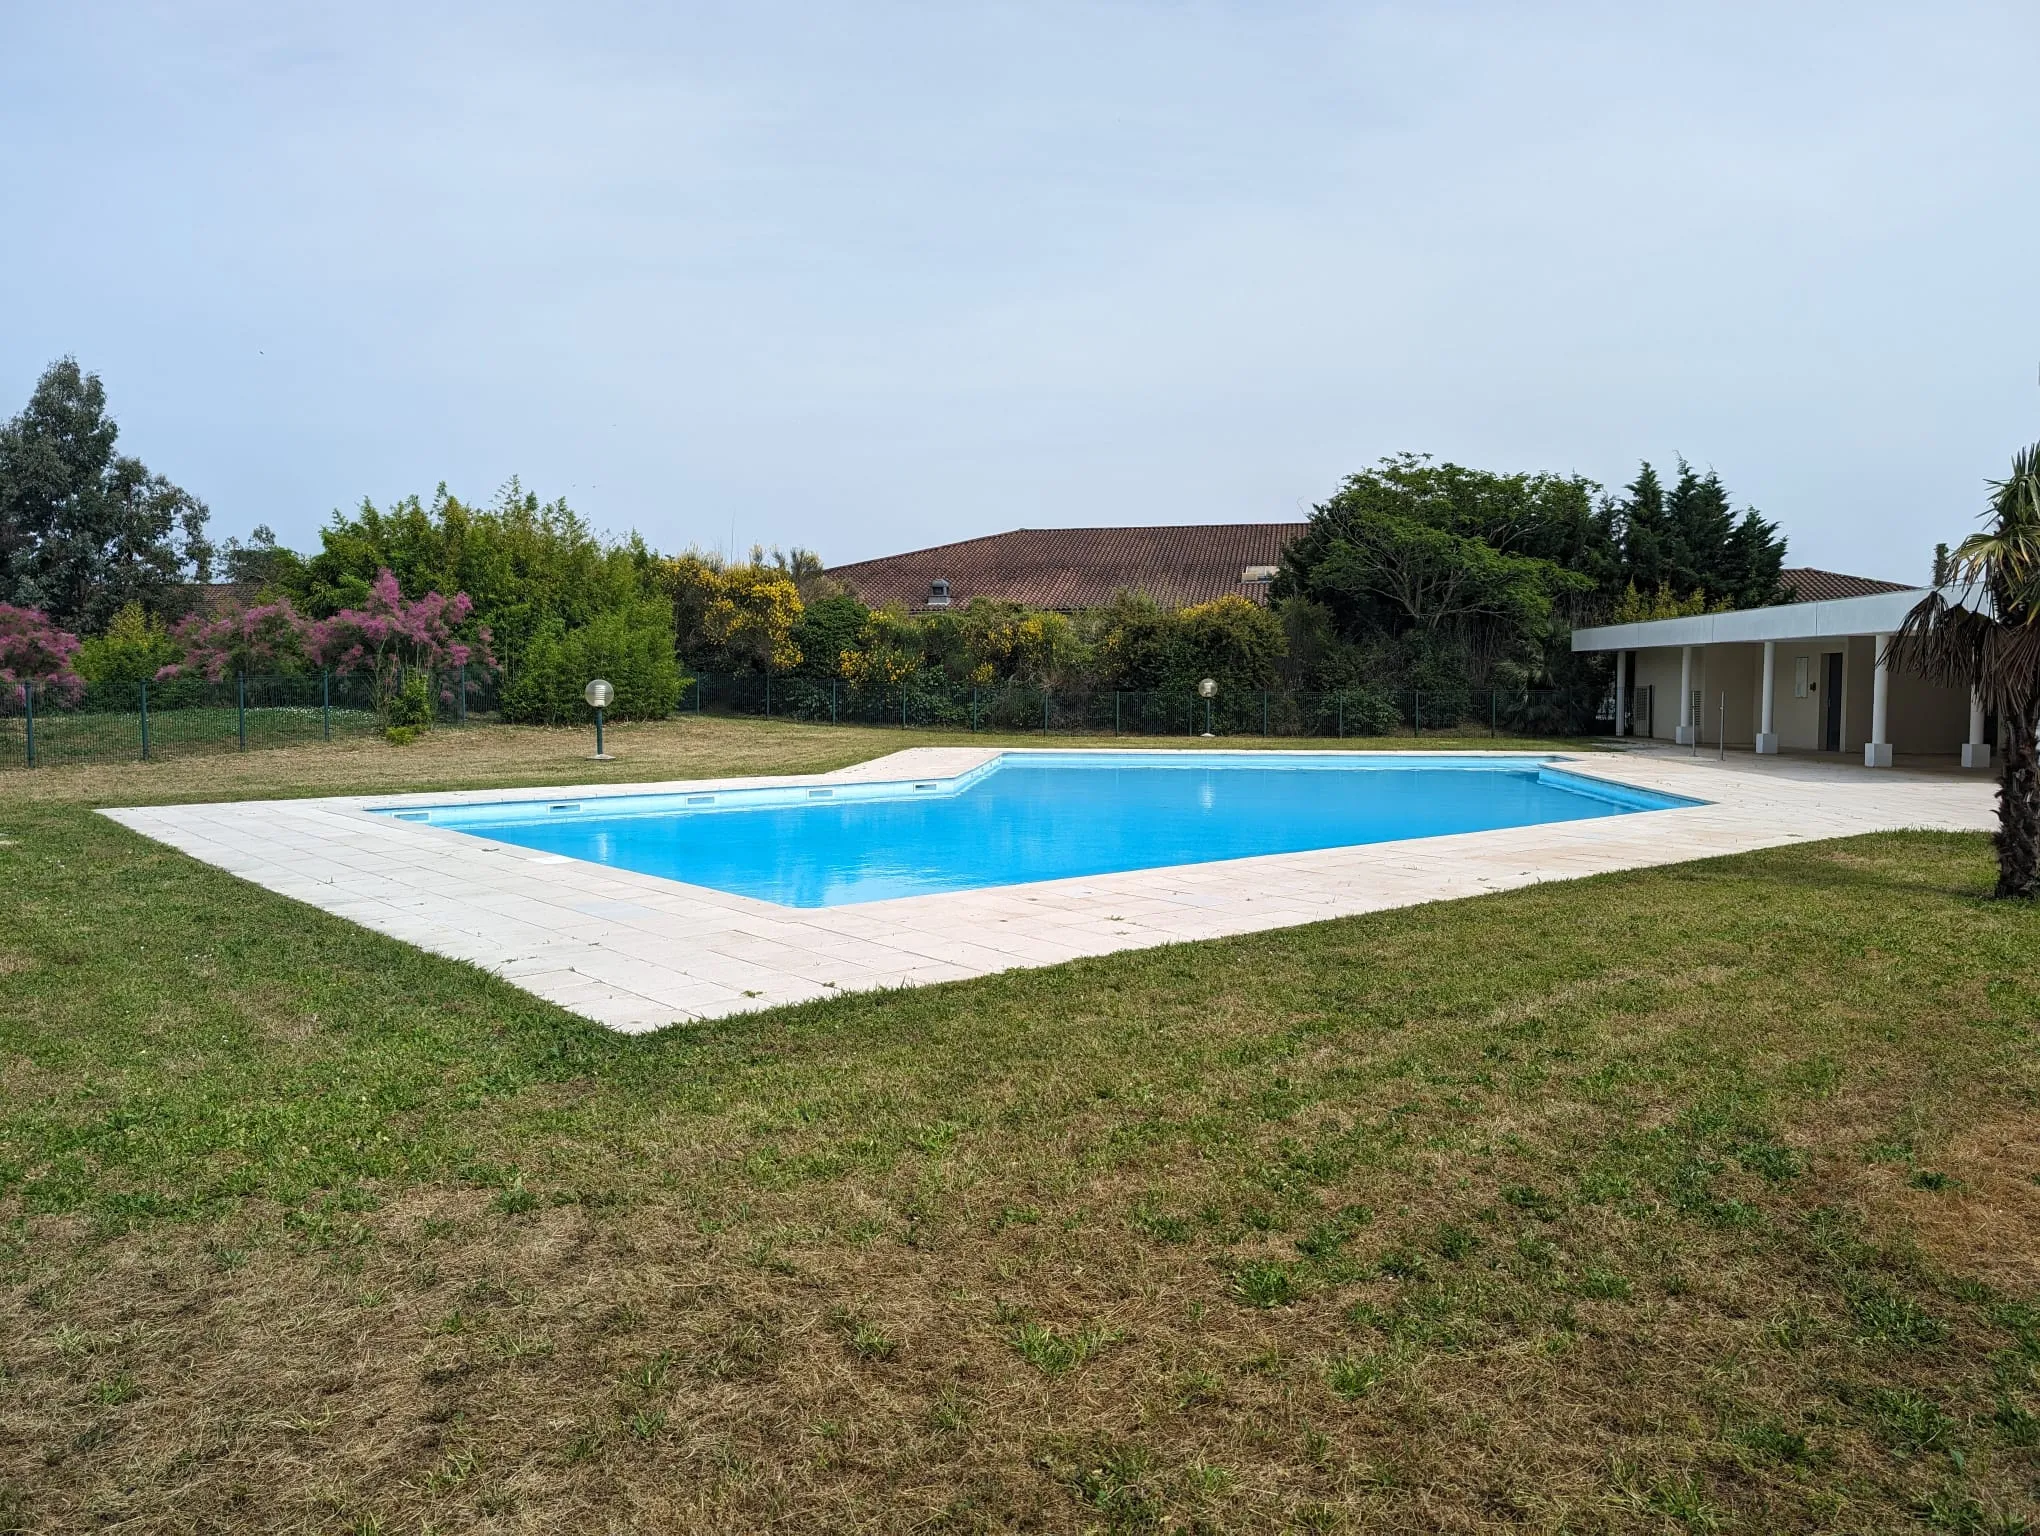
(1695, 1199)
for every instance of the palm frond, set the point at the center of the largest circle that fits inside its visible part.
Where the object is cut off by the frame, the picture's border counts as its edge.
(1942, 642)
(2004, 558)
(1988, 637)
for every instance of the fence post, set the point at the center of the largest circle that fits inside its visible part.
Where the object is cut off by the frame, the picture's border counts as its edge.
(241, 707)
(768, 694)
(28, 716)
(463, 693)
(1044, 709)
(1264, 711)
(1494, 714)
(144, 686)
(903, 706)
(700, 688)
(1341, 707)
(1115, 711)
(1417, 712)
(326, 703)
(832, 701)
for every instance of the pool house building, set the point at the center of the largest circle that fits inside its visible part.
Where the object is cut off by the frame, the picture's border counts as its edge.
(1805, 676)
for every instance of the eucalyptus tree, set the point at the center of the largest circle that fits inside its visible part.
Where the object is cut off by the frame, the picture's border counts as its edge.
(1982, 631)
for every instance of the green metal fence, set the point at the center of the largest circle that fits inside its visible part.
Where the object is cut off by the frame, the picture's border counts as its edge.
(1009, 707)
(113, 722)
(185, 717)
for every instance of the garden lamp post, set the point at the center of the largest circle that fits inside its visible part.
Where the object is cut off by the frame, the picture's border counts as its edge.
(1207, 690)
(598, 694)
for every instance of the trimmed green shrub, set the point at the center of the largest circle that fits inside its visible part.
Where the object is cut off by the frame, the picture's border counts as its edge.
(134, 649)
(632, 648)
(410, 707)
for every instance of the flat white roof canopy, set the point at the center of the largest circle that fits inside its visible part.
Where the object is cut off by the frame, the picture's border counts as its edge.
(1878, 614)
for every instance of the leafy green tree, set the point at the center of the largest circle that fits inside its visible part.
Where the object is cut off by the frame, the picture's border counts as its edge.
(1635, 607)
(1415, 546)
(1135, 642)
(1448, 581)
(1533, 516)
(262, 563)
(134, 648)
(1402, 575)
(522, 562)
(631, 648)
(1236, 643)
(83, 529)
(1141, 646)
(826, 629)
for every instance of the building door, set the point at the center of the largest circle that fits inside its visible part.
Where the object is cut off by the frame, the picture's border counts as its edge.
(1831, 710)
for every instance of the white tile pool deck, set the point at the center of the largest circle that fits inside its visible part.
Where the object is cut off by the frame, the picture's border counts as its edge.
(637, 953)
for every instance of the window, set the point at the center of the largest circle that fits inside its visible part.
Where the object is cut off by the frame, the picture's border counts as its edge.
(1802, 676)
(938, 593)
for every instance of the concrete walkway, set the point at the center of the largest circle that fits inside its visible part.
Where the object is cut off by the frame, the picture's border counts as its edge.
(636, 953)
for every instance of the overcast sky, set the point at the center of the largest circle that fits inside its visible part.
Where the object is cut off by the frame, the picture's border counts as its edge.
(870, 276)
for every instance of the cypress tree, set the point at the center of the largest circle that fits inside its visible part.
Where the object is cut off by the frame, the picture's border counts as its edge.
(1643, 531)
(1690, 540)
(1700, 522)
(1751, 563)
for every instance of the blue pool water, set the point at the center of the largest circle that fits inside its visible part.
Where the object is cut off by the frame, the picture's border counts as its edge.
(1039, 816)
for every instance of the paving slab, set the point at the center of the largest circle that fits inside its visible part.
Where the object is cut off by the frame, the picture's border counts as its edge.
(636, 952)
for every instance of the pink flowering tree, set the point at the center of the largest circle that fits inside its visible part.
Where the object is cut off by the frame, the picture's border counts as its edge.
(391, 635)
(33, 650)
(233, 638)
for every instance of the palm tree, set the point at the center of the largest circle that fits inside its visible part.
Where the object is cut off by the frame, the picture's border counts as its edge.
(1988, 640)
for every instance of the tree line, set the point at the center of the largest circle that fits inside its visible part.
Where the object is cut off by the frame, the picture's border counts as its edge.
(1413, 576)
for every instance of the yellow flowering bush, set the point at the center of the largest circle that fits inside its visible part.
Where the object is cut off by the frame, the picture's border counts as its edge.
(745, 611)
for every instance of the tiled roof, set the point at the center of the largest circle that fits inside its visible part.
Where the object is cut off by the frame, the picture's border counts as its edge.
(210, 597)
(1815, 586)
(1072, 568)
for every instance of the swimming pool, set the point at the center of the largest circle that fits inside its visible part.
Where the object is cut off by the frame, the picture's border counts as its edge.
(1039, 816)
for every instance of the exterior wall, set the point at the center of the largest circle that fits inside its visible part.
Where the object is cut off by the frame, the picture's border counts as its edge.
(1798, 718)
(1658, 669)
(1925, 718)
(1858, 678)
(1734, 671)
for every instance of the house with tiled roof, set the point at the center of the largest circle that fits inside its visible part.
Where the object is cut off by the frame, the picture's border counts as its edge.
(1075, 568)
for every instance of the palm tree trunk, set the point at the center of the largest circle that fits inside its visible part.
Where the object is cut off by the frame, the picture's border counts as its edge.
(2018, 834)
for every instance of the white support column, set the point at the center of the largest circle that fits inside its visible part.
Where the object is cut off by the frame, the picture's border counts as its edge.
(1621, 695)
(1877, 750)
(1975, 751)
(1685, 733)
(1767, 732)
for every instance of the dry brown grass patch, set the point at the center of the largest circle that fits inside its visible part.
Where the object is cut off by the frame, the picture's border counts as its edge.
(1985, 1219)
